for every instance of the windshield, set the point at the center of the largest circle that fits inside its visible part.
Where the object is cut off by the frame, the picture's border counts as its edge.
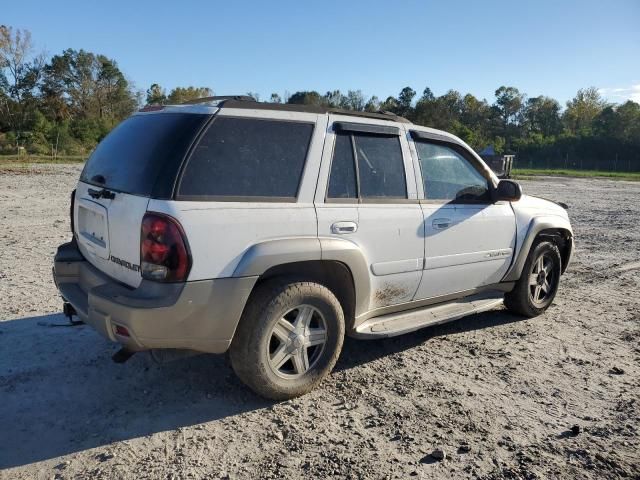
(132, 156)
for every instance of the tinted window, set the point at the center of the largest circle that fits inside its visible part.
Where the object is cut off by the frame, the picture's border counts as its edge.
(342, 182)
(239, 157)
(133, 155)
(447, 175)
(380, 166)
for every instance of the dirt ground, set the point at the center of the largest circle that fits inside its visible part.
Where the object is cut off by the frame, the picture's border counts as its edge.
(498, 394)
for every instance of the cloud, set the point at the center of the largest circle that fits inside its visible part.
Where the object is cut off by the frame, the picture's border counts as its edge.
(618, 94)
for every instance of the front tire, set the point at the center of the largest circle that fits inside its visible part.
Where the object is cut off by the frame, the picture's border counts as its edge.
(537, 287)
(288, 339)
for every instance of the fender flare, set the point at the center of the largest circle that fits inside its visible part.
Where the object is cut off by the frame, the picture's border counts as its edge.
(262, 256)
(536, 225)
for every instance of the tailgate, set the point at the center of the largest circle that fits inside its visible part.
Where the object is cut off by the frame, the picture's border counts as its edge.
(108, 232)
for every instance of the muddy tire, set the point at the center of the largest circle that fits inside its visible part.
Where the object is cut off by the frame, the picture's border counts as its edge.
(288, 339)
(538, 284)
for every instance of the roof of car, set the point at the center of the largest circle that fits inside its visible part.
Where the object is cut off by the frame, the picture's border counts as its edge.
(243, 101)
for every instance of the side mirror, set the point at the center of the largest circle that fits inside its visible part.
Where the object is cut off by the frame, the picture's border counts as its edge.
(508, 190)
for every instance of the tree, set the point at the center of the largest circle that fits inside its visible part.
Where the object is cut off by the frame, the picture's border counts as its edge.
(509, 102)
(427, 95)
(116, 100)
(335, 99)
(425, 111)
(306, 98)
(91, 85)
(19, 77)
(156, 95)
(582, 110)
(475, 116)
(629, 113)
(404, 100)
(448, 109)
(620, 122)
(84, 95)
(372, 105)
(542, 115)
(72, 101)
(389, 105)
(183, 94)
(355, 101)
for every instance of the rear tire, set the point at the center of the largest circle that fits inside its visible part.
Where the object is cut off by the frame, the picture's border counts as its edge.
(288, 339)
(537, 287)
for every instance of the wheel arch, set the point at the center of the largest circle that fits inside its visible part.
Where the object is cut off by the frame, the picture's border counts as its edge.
(335, 263)
(563, 240)
(332, 274)
(554, 228)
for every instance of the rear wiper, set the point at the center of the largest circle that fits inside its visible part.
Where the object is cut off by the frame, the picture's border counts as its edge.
(98, 179)
(104, 193)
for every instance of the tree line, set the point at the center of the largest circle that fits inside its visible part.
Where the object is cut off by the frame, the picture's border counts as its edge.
(65, 104)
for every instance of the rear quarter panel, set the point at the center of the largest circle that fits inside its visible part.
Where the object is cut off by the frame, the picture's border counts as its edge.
(219, 233)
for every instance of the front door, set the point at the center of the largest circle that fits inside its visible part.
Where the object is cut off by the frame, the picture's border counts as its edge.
(469, 240)
(370, 199)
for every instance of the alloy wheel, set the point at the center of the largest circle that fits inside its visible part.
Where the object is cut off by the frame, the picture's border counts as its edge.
(542, 280)
(297, 341)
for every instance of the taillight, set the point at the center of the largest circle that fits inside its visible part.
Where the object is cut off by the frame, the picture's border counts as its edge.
(164, 253)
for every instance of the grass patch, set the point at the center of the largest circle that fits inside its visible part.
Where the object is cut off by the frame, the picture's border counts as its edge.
(37, 159)
(532, 172)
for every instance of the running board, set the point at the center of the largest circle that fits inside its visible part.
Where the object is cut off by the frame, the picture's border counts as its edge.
(394, 324)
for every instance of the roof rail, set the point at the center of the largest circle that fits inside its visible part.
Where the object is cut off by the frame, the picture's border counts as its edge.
(238, 98)
(243, 101)
(380, 114)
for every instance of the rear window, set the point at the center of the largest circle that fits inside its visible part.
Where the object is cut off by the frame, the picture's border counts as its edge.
(239, 158)
(141, 148)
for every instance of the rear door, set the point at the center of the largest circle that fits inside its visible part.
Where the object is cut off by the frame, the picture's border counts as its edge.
(370, 199)
(469, 239)
(138, 159)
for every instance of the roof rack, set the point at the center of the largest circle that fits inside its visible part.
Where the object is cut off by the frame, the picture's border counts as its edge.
(245, 101)
(239, 98)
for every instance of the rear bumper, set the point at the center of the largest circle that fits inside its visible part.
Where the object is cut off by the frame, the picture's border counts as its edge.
(200, 315)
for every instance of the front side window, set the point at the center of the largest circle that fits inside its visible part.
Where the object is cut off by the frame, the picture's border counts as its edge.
(448, 176)
(380, 167)
(242, 157)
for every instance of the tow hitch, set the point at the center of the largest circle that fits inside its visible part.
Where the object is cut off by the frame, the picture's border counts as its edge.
(69, 312)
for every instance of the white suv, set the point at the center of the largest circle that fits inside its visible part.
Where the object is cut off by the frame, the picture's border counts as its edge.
(271, 231)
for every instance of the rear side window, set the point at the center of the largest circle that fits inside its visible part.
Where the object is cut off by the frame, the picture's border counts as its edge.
(342, 182)
(131, 158)
(239, 158)
(380, 168)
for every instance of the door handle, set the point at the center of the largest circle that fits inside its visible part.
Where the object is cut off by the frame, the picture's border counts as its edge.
(344, 227)
(441, 223)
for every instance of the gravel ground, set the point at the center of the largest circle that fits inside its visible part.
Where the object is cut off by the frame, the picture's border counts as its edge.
(497, 395)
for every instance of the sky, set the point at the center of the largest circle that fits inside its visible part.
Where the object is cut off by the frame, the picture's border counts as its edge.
(542, 47)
